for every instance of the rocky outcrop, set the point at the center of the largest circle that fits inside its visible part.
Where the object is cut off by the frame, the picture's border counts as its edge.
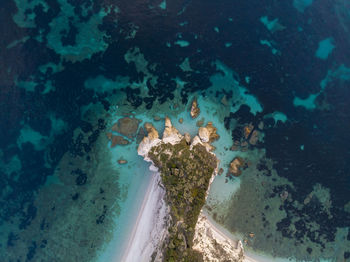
(208, 133)
(212, 132)
(148, 141)
(171, 134)
(195, 111)
(250, 137)
(152, 132)
(187, 137)
(254, 137)
(140, 135)
(236, 166)
(247, 130)
(204, 134)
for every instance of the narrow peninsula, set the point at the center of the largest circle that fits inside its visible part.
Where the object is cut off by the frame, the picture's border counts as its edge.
(186, 167)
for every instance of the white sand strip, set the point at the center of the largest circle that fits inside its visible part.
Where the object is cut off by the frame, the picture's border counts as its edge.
(150, 227)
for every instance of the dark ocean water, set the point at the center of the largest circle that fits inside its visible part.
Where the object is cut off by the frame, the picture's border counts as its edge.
(292, 55)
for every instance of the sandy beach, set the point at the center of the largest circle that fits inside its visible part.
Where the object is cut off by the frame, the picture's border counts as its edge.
(150, 227)
(222, 234)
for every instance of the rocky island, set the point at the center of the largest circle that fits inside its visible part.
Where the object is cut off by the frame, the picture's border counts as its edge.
(186, 167)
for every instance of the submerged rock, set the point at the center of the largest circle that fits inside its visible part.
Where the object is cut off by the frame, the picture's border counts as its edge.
(140, 135)
(224, 101)
(247, 130)
(117, 140)
(126, 126)
(195, 111)
(122, 161)
(200, 122)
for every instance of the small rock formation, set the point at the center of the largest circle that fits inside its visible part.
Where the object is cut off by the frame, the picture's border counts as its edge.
(152, 132)
(212, 132)
(148, 141)
(195, 111)
(126, 126)
(187, 138)
(117, 140)
(208, 133)
(171, 134)
(203, 134)
(235, 166)
(122, 161)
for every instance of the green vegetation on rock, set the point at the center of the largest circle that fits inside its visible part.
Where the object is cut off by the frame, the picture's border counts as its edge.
(186, 174)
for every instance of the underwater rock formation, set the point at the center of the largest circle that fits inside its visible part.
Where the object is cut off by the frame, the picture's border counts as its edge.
(122, 161)
(117, 140)
(126, 126)
(148, 141)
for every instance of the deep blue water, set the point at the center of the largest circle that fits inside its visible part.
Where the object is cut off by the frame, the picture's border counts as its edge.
(293, 56)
